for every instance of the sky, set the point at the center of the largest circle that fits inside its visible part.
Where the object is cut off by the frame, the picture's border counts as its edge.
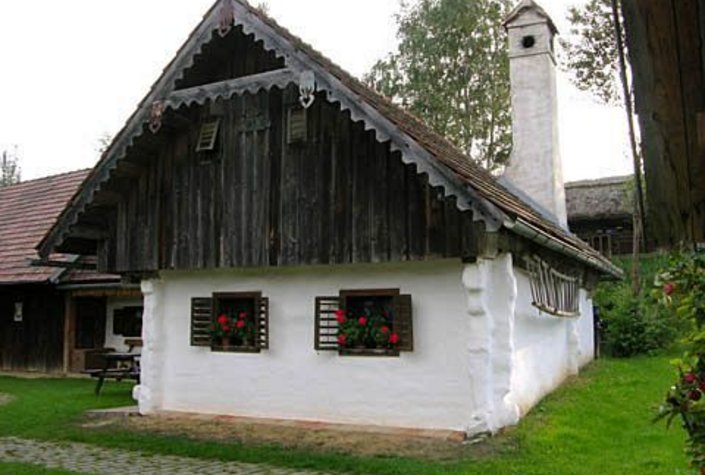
(73, 71)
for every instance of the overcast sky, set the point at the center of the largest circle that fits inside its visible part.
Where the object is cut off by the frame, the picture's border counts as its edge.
(74, 70)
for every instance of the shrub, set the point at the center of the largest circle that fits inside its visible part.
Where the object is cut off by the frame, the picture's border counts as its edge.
(681, 291)
(634, 324)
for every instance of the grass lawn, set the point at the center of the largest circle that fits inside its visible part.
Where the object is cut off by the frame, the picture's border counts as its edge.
(598, 423)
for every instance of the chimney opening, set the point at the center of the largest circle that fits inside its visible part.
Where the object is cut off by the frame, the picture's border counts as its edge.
(528, 41)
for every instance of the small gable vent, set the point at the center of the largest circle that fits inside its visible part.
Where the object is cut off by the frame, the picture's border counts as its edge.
(553, 292)
(209, 135)
(297, 130)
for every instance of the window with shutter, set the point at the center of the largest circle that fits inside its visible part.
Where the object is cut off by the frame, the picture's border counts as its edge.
(375, 322)
(232, 322)
(201, 321)
(326, 338)
(241, 322)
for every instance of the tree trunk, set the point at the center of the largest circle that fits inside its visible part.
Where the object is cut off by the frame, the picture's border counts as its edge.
(639, 211)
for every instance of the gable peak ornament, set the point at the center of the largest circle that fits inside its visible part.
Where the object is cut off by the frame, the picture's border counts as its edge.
(226, 18)
(155, 116)
(307, 89)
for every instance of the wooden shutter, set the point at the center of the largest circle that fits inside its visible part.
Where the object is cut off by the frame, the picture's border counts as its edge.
(201, 320)
(326, 337)
(403, 322)
(262, 323)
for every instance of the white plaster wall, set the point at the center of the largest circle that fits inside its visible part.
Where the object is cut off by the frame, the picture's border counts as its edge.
(492, 298)
(112, 340)
(427, 388)
(547, 349)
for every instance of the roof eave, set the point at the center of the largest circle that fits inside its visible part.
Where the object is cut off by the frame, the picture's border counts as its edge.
(528, 231)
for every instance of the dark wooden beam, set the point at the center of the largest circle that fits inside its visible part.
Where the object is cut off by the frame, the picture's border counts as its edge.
(62, 264)
(226, 89)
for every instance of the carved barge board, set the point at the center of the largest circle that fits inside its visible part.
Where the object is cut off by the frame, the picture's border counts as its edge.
(232, 87)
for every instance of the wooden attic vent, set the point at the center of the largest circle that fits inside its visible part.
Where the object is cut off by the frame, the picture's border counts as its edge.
(208, 136)
(297, 130)
(553, 292)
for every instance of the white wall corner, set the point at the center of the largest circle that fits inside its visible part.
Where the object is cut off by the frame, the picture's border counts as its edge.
(149, 392)
(574, 353)
(491, 290)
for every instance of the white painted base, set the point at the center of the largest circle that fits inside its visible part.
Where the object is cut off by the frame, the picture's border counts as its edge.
(480, 356)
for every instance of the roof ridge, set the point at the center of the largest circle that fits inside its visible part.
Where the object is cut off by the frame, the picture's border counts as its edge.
(48, 177)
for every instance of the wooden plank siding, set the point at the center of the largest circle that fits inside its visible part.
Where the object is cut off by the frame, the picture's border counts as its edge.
(665, 49)
(36, 343)
(338, 197)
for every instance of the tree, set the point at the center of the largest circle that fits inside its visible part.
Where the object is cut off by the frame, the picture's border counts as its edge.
(596, 55)
(592, 57)
(9, 168)
(452, 71)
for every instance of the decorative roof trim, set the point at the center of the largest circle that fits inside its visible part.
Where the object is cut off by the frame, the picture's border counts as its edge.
(226, 89)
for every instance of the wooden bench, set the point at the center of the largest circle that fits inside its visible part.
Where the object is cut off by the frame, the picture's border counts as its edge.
(118, 366)
(118, 374)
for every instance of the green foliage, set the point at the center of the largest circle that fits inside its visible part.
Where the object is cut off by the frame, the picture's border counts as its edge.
(452, 70)
(9, 168)
(591, 51)
(634, 324)
(681, 291)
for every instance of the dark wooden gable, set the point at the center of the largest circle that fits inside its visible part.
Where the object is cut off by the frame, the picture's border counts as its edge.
(153, 202)
(339, 196)
(235, 55)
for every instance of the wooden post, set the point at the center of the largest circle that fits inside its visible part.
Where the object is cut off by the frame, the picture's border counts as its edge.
(69, 330)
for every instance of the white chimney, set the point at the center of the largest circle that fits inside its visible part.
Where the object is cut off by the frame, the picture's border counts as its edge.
(535, 170)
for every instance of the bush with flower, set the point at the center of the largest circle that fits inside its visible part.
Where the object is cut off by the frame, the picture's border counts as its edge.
(681, 289)
(236, 327)
(370, 330)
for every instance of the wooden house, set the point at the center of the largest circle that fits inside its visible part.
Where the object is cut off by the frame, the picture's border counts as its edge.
(52, 318)
(308, 250)
(601, 211)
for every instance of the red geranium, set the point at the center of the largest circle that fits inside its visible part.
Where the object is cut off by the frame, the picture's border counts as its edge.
(384, 330)
(362, 321)
(240, 324)
(695, 395)
(393, 338)
(223, 319)
(690, 378)
(669, 288)
(340, 316)
(243, 315)
(342, 339)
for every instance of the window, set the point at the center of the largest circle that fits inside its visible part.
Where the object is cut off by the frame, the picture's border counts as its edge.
(233, 322)
(364, 322)
(127, 322)
(553, 292)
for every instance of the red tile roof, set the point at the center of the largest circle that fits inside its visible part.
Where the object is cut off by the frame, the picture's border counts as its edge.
(27, 211)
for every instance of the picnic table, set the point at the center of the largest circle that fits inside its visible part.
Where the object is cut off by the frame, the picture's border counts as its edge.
(117, 366)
